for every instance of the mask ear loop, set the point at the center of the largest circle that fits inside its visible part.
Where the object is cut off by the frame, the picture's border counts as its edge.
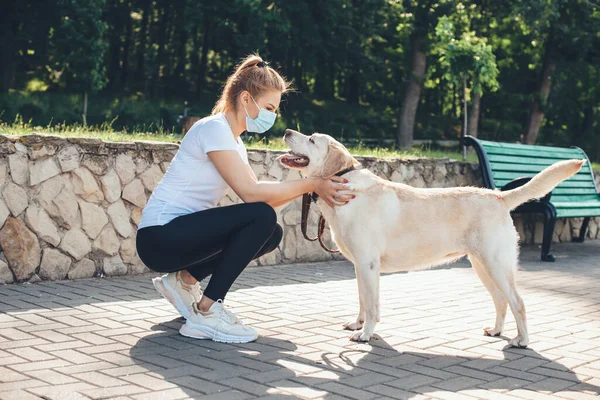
(245, 109)
(257, 106)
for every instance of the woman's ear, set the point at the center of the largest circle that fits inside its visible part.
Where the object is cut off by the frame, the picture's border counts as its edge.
(337, 159)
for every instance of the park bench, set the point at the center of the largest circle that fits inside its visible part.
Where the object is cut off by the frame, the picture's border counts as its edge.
(509, 165)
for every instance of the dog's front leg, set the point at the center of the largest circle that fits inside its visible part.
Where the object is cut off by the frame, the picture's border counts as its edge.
(360, 318)
(368, 283)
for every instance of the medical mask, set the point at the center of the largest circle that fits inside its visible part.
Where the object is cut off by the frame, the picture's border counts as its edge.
(263, 122)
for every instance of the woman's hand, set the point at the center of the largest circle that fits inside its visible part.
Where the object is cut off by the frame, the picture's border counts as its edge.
(333, 191)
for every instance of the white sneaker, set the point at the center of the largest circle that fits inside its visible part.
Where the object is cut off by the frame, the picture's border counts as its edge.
(218, 324)
(180, 294)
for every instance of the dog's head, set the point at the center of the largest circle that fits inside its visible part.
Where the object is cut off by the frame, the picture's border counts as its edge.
(317, 155)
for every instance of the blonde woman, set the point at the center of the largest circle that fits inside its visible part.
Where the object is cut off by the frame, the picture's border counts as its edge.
(182, 231)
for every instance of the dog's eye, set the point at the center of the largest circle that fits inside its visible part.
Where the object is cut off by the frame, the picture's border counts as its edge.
(312, 140)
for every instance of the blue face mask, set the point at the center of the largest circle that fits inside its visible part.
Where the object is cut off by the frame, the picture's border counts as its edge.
(263, 122)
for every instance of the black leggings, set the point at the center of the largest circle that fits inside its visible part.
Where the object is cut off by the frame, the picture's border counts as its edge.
(220, 241)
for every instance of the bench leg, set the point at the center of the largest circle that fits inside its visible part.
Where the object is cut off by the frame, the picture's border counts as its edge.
(583, 230)
(549, 221)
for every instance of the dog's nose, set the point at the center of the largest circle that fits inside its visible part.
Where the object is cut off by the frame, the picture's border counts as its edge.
(287, 133)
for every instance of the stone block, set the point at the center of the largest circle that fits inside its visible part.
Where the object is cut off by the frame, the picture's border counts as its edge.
(151, 177)
(4, 212)
(136, 215)
(6, 275)
(111, 186)
(134, 193)
(55, 265)
(21, 248)
(98, 164)
(40, 222)
(83, 269)
(16, 198)
(107, 242)
(125, 168)
(76, 243)
(119, 215)
(113, 266)
(19, 168)
(39, 151)
(68, 158)
(85, 185)
(42, 170)
(93, 218)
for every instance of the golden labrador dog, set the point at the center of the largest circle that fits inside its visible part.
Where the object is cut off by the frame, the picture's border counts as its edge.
(393, 227)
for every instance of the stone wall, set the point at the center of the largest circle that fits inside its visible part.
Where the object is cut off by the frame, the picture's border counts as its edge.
(69, 207)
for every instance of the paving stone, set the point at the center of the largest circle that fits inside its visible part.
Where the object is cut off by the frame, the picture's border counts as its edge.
(118, 338)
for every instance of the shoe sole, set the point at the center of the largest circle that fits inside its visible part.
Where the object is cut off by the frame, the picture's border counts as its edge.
(168, 293)
(205, 332)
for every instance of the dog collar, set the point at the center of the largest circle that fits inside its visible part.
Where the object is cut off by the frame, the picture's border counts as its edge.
(314, 196)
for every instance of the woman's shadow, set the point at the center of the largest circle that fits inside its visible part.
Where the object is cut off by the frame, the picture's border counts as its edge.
(278, 368)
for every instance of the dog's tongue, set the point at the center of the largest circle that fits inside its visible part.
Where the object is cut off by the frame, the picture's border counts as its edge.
(286, 157)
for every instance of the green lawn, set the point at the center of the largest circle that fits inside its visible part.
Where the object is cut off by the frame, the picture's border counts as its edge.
(105, 132)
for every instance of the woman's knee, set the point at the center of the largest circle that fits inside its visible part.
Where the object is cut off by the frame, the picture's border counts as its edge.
(275, 238)
(264, 213)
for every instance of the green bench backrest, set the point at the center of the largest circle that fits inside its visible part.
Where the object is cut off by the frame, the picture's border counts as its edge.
(509, 161)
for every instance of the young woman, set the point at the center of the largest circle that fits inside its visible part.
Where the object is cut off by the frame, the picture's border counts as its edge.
(183, 233)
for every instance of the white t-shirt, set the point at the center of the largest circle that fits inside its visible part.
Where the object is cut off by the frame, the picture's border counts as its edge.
(192, 183)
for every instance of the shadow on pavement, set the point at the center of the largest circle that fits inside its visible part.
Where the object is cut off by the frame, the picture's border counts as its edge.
(275, 367)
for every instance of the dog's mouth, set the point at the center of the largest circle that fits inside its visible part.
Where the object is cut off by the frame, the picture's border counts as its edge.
(294, 160)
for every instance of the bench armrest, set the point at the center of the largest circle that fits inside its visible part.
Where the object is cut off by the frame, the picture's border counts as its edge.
(484, 163)
(515, 183)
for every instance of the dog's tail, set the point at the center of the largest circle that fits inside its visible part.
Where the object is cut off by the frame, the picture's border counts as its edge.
(542, 183)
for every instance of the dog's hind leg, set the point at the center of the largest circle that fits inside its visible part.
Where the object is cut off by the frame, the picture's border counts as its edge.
(368, 283)
(500, 302)
(501, 268)
(360, 318)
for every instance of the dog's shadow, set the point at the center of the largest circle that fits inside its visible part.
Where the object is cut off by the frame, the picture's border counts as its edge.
(276, 367)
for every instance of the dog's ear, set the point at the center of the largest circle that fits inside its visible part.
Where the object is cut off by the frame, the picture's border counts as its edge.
(337, 159)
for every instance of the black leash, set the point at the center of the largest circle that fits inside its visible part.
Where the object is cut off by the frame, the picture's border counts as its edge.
(309, 198)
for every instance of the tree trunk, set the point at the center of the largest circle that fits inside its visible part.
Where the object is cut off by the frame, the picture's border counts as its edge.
(85, 106)
(408, 112)
(7, 55)
(203, 57)
(181, 49)
(465, 118)
(539, 102)
(353, 86)
(162, 36)
(114, 61)
(472, 126)
(126, 46)
(141, 55)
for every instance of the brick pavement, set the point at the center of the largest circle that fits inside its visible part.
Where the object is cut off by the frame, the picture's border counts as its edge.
(116, 338)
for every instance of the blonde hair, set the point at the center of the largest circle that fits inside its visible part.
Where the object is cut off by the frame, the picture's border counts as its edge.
(254, 75)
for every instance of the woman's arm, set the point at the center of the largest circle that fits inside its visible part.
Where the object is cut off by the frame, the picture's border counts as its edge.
(272, 204)
(233, 170)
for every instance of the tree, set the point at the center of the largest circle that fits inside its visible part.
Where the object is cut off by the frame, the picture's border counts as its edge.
(468, 61)
(80, 48)
(422, 16)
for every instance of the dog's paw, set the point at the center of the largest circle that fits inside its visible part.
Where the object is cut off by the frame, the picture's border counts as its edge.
(519, 341)
(360, 336)
(491, 332)
(353, 326)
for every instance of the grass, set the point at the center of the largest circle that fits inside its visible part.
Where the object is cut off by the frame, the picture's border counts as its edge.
(106, 132)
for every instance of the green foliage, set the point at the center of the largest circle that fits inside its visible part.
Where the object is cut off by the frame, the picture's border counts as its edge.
(350, 61)
(467, 58)
(79, 48)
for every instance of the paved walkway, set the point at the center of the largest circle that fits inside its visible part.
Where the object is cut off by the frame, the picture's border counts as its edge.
(116, 338)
